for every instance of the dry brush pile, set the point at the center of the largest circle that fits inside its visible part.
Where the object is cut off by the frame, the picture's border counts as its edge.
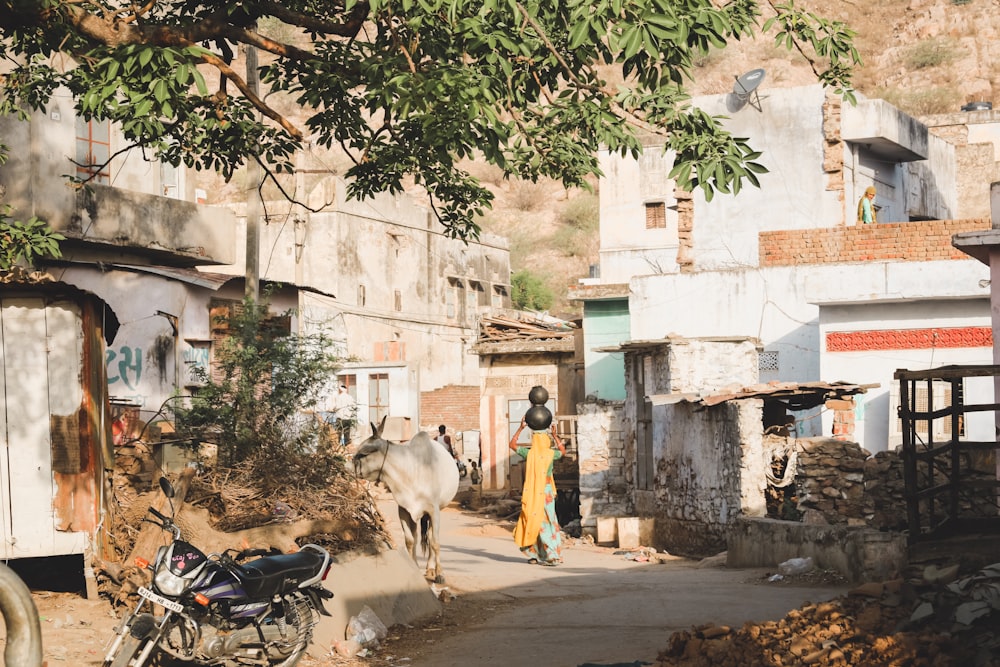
(219, 509)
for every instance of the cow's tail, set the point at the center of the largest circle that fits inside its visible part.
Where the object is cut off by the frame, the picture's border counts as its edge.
(425, 525)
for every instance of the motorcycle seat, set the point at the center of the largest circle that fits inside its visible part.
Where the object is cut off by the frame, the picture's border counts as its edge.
(273, 575)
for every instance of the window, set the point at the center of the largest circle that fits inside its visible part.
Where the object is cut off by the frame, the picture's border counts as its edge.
(940, 396)
(378, 397)
(767, 361)
(351, 382)
(656, 215)
(473, 297)
(398, 301)
(454, 298)
(93, 150)
(499, 296)
(361, 295)
(170, 180)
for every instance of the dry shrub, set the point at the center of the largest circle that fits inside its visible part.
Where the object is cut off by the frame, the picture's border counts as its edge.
(923, 102)
(527, 195)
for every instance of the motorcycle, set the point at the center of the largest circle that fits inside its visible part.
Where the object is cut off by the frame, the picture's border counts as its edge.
(222, 609)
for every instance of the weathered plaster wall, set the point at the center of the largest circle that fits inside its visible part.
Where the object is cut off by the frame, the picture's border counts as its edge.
(388, 275)
(976, 139)
(603, 489)
(875, 338)
(699, 486)
(860, 553)
(131, 217)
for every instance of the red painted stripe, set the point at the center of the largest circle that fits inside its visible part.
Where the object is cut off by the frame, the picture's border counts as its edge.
(909, 339)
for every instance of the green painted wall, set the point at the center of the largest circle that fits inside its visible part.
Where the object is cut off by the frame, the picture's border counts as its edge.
(605, 323)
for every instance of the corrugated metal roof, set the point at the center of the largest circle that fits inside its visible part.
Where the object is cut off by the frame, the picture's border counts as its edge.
(798, 395)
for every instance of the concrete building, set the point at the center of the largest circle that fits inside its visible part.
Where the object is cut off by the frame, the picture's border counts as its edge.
(786, 269)
(400, 298)
(55, 321)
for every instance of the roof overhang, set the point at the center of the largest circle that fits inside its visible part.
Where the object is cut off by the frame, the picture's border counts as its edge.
(796, 395)
(652, 344)
(885, 131)
(977, 244)
(601, 292)
(558, 346)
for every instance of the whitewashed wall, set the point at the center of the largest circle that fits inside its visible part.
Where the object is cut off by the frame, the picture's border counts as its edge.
(779, 307)
(875, 412)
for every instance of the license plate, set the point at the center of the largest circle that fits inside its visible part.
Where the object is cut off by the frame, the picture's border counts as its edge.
(160, 600)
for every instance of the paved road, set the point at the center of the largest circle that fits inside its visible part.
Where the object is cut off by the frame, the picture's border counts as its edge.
(598, 608)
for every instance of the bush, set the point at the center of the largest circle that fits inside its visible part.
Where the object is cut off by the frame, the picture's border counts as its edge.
(526, 195)
(582, 212)
(932, 52)
(924, 102)
(529, 291)
(254, 400)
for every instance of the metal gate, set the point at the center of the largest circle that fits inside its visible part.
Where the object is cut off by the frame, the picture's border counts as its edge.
(952, 483)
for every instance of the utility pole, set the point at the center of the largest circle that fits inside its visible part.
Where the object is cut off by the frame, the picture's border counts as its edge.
(254, 178)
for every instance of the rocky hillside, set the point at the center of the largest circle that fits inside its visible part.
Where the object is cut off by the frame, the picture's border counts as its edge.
(924, 56)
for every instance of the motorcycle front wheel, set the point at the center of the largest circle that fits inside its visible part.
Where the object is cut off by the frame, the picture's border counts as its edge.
(126, 652)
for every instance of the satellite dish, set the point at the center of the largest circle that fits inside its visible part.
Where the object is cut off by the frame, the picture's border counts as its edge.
(745, 89)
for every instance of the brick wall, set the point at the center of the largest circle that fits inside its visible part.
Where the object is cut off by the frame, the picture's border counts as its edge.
(455, 406)
(895, 241)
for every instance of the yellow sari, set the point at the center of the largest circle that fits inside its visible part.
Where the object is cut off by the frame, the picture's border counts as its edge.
(537, 530)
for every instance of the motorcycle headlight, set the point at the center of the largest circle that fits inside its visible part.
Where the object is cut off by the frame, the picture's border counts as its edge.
(169, 583)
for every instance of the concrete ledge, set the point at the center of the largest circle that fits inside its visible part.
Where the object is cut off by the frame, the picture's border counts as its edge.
(857, 552)
(389, 582)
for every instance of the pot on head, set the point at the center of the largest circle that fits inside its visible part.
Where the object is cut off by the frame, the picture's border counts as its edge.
(538, 417)
(538, 395)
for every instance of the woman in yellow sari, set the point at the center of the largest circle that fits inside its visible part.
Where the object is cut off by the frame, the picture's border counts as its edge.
(537, 532)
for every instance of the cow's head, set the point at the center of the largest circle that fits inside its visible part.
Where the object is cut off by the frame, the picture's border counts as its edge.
(370, 457)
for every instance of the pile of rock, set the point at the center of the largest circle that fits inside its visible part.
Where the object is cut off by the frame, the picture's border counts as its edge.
(885, 504)
(920, 622)
(830, 479)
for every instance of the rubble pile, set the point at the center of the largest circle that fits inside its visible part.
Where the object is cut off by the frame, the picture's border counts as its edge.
(830, 480)
(921, 623)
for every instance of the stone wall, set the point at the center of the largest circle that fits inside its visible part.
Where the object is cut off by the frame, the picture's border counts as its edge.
(830, 481)
(702, 480)
(885, 505)
(601, 451)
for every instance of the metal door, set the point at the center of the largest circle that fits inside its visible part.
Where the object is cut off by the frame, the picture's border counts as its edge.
(40, 376)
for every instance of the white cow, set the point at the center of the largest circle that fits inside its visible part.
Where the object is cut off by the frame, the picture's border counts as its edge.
(422, 478)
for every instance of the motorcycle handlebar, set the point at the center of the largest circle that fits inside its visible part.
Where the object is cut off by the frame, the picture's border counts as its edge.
(159, 515)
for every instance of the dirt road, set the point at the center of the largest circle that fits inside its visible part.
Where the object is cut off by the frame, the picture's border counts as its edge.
(601, 607)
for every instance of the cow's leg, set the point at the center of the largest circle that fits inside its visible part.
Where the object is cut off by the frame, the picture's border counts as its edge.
(434, 547)
(410, 530)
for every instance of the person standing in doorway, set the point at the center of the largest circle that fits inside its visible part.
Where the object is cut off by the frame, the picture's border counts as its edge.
(343, 414)
(866, 207)
(537, 532)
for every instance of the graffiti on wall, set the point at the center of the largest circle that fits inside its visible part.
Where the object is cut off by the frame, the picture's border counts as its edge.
(124, 365)
(196, 356)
